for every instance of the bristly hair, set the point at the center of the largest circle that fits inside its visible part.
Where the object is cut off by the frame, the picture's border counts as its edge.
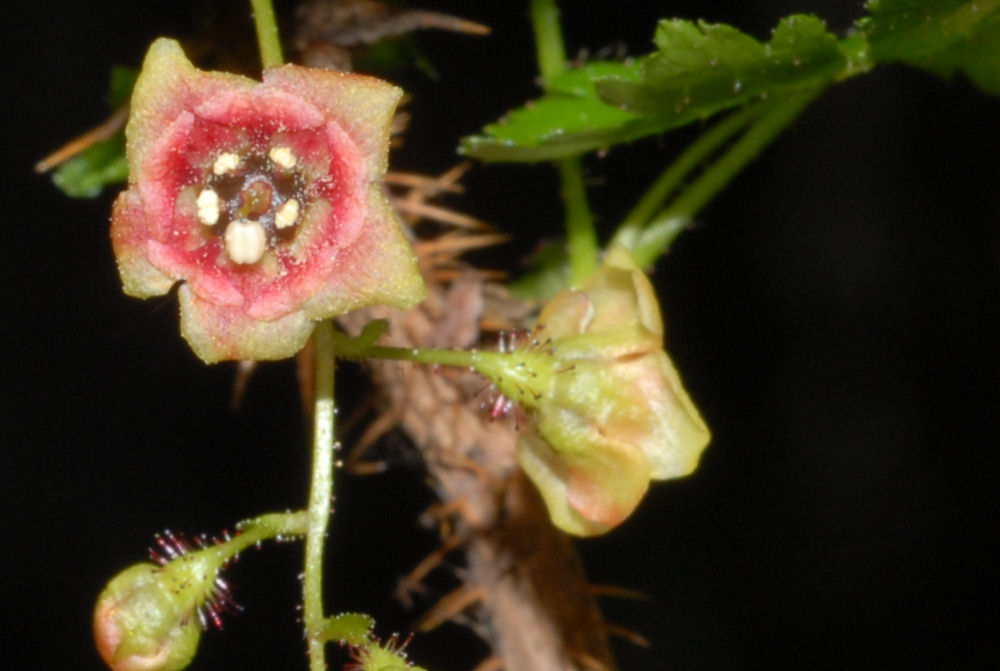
(219, 599)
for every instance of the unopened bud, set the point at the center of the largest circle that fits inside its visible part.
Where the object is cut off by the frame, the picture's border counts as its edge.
(146, 620)
(150, 616)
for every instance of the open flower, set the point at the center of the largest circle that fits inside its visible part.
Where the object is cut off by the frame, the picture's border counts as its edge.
(263, 198)
(607, 410)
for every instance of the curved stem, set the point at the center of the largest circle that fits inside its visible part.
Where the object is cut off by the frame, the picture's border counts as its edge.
(320, 496)
(656, 237)
(675, 174)
(264, 527)
(267, 33)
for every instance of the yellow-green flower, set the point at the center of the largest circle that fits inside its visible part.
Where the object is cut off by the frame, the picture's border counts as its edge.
(607, 410)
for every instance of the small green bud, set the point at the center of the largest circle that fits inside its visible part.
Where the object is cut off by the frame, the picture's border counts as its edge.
(146, 620)
(374, 656)
(150, 616)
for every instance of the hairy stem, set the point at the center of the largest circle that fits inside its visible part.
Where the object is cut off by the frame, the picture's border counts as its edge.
(324, 413)
(363, 347)
(267, 33)
(320, 496)
(265, 527)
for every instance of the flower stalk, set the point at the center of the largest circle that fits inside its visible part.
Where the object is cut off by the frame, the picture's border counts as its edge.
(267, 33)
(649, 243)
(320, 495)
(581, 236)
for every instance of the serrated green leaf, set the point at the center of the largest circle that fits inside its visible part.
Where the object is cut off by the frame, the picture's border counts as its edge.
(703, 68)
(580, 82)
(568, 121)
(556, 127)
(978, 59)
(86, 174)
(943, 36)
(348, 628)
(698, 70)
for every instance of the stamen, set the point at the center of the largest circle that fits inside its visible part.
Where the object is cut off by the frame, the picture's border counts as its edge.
(287, 214)
(246, 241)
(225, 162)
(283, 156)
(208, 207)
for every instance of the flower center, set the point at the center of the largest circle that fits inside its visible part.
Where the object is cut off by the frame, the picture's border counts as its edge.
(253, 201)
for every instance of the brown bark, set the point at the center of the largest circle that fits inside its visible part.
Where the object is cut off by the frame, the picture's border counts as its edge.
(534, 605)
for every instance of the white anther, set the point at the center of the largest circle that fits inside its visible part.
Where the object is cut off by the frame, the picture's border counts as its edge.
(283, 156)
(208, 207)
(287, 214)
(225, 162)
(246, 241)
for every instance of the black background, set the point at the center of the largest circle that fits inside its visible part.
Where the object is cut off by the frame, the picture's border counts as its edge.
(834, 314)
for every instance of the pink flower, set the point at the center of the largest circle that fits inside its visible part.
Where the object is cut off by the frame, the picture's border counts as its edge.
(263, 199)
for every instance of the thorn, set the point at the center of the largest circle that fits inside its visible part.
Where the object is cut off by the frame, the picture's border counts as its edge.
(450, 606)
(81, 142)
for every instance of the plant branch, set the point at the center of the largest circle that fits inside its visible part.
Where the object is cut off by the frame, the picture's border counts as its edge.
(320, 496)
(264, 527)
(581, 236)
(663, 228)
(670, 180)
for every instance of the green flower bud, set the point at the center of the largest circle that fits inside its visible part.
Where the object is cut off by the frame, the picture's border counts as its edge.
(150, 616)
(146, 620)
(374, 656)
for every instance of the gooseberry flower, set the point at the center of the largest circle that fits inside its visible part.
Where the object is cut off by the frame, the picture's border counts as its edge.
(263, 199)
(606, 409)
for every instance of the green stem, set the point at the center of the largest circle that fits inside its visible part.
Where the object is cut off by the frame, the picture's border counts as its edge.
(667, 183)
(581, 235)
(262, 528)
(320, 495)
(523, 375)
(657, 236)
(267, 33)
(362, 347)
(548, 39)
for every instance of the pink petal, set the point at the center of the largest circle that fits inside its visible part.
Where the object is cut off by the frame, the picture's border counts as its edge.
(218, 332)
(362, 106)
(163, 173)
(168, 86)
(265, 110)
(380, 268)
(204, 276)
(128, 238)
